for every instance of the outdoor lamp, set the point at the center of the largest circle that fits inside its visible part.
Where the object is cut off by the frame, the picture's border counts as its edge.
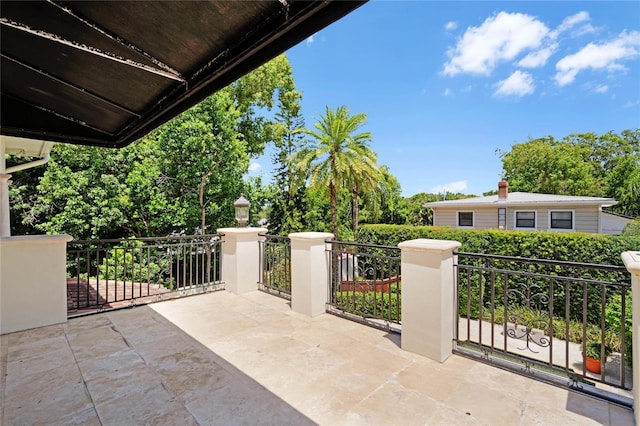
(242, 211)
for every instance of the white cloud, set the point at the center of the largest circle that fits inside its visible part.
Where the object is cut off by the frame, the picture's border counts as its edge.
(467, 89)
(458, 186)
(603, 88)
(605, 56)
(255, 167)
(585, 29)
(500, 38)
(630, 104)
(310, 40)
(517, 84)
(570, 22)
(451, 25)
(447, 92)
(538, 58)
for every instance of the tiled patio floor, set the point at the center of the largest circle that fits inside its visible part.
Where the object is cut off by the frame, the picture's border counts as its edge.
(219, 358)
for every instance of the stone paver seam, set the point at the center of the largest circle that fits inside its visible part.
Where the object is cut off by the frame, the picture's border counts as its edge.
(152, 367)
(393, 378)
(84, 383)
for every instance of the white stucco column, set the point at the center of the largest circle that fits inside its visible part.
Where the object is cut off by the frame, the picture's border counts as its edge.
(632, 262)
(309, 272)
(241, 258)
(5, 223)
(428, 297)
(33, 284)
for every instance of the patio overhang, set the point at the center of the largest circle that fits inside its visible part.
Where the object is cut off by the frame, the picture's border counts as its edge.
(107, 73)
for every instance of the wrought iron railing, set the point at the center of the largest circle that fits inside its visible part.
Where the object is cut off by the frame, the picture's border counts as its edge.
(110, 274)
(366, 283)
(275, 265)
(547, 317)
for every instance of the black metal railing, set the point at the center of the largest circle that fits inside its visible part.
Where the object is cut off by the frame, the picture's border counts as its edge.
(547, 317)
(275, 265)
(366, 283)
(110, 274)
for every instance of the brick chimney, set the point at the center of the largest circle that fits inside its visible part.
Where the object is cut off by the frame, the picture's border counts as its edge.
(503, 190)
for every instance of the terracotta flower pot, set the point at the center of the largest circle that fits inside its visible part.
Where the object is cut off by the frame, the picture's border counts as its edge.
(593, 365)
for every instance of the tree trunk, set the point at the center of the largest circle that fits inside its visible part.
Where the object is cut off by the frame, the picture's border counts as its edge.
(354, 208)
(334, 215)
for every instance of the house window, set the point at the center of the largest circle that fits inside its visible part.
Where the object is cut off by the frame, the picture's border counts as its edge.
(526, 220)
(502, 218)
(561, 220)
(465, 219)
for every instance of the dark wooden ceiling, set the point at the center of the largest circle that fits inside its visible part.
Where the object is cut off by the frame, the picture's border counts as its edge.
(106, 73)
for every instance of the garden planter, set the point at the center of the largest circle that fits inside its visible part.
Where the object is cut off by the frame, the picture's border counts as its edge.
(593, 365)
(364, 286)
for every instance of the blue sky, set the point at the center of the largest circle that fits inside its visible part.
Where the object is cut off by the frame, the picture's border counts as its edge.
(445, 84)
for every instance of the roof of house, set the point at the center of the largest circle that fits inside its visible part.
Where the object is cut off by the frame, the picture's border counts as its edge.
(106, 73)
(524, 199)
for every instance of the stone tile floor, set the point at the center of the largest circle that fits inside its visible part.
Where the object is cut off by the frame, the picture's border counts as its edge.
(224, 359)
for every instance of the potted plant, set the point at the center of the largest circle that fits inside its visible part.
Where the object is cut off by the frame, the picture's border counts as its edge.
(592, 356)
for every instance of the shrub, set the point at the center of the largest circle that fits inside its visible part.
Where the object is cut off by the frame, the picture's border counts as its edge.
(370, 304)
(632, 229)
(565, 246)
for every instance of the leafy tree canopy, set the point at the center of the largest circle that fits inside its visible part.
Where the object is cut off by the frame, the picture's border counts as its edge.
(584, 164)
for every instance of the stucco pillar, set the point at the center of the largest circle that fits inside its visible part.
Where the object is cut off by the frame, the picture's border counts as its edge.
(632, 262)
(428, 297)
(5, 223)
(241, 258)
(309, 272)
(33, 284)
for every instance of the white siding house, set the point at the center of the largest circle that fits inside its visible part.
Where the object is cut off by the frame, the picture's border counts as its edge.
(528, 211)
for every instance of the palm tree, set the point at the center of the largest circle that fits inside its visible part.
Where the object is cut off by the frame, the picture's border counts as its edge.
(337, 157)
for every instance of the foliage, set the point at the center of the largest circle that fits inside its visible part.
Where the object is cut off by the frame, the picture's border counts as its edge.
(335, 158)
(420, 215)
(614, 322)
(370, 304)
(632, 228)
(572, 247)
(128, 262)
(287, 201)
(579, 164)
(385, 204)
(594, 350)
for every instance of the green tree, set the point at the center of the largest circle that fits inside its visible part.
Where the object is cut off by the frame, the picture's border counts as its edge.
(384, 204)
(83, 193)
(203, 158)
(552, 167)
(419, 215)
(288, 197)
(335, 157)
(579, 164)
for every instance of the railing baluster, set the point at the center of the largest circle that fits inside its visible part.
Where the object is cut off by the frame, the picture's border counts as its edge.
(534, 292)
(108, 267)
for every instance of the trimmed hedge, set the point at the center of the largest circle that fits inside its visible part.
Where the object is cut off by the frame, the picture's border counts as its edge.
(565, 246)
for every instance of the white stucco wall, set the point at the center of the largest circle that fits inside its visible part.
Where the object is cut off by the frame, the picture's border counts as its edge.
(33, 285)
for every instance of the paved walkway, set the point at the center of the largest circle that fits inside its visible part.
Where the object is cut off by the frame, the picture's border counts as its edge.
(224, 359)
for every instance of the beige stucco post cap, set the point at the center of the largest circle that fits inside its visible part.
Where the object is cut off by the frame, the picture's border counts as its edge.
(311, 236)
(35, 239)
(429, 245)
(631, 261)
(246, 230)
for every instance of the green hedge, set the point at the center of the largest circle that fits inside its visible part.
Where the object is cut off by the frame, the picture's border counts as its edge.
(572, 247)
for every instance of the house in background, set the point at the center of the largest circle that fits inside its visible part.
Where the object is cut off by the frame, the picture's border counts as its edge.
(529, 211)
